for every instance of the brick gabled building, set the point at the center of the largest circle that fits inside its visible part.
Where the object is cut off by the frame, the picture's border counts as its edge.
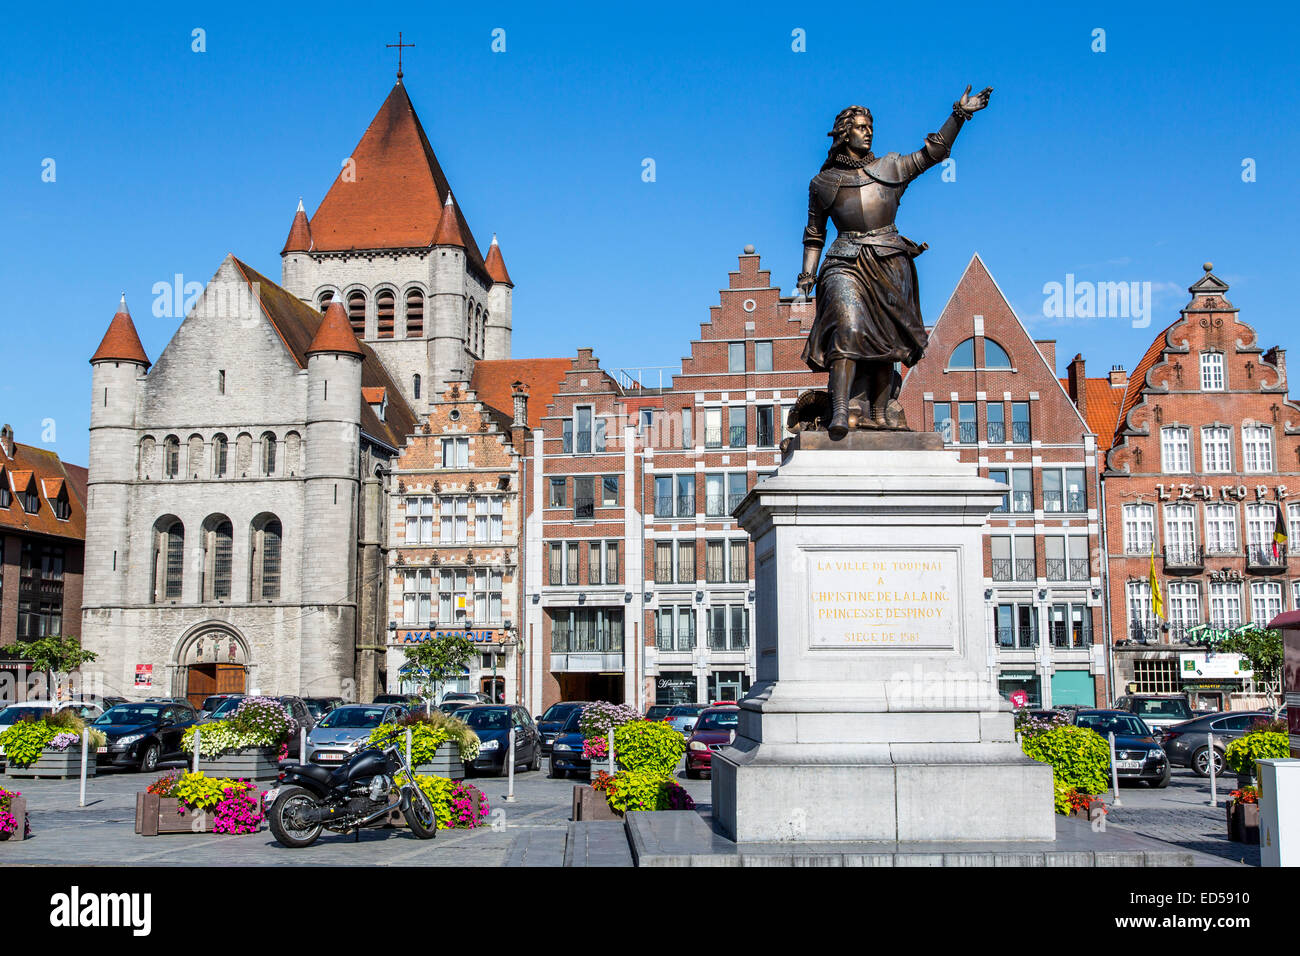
(42, 542)
(583, 498)
(1206, 450)
(719, 434)
(992, 391)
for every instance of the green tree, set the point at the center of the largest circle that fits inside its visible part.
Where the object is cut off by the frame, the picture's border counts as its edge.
(437, 660)
(53, 654)
(1263, 649)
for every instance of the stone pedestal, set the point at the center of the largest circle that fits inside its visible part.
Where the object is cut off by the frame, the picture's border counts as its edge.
(874, 715)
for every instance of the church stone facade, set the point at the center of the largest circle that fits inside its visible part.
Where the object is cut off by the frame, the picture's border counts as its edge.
(238, 491)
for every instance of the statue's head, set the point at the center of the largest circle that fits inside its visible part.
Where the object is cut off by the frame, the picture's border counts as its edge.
(853, 127)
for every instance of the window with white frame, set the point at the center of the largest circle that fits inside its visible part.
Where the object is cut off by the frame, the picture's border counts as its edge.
(1180, 530)
(675, 628)
(1292, 516)
(419, 520)
(1257, 441)
(487, 596)
(1175, 450)
(454, 512)
(1265, 601)
(1212, 372)
(453, 595)
(1139, 528)
(1220, 528)
(417, 594)
(1260, 519)
(584, 432)
(602, 562)
(1225, 604)
(1295, 595)
(1183, 603)
(1216, 449)
(488, 518)
(455, 453)
(1142, 620)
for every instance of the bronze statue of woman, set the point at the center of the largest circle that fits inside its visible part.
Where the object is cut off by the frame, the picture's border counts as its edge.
(868, 308)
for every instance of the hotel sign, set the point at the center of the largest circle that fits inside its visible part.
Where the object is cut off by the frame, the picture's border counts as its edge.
(883, 598)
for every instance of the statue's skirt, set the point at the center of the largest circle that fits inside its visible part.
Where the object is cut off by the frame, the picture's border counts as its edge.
(868, 309)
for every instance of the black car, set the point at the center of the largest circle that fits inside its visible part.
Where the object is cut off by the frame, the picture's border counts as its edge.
(142, 735)
(1138, 754)
(1188, 744)
(492, 724)
(549, 724)
(566, 749)
(299, 711)
(320, 706)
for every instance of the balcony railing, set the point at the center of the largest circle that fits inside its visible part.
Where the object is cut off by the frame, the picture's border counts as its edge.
(567, 641)
(997, 433)
(713, 437)
(663, 506)
(721, 639)
(584, 507)
(1020, 433)
(1055, 568)
(736, 436)
(1076, 501)
(734, 500)
(1260, 557)
(1184, 557)
(685, 506)
(966, 433)
(1080, 569)
(713, 505)
(1052, 501)
(1221, 547)
(765, 437)
(1022, 501)
(714, 573)
(663, 574)
(1001, 569)
(668, 641)
(1022, 638)
(1063, 635)
(1144, 632)
(1025, 570)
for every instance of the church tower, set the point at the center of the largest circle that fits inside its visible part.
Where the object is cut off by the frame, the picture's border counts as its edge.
(391, 246)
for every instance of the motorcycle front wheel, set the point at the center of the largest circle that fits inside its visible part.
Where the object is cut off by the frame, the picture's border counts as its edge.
(419, 813)
(283, 817)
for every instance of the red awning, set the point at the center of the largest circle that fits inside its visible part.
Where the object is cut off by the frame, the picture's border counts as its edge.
(1287, 620)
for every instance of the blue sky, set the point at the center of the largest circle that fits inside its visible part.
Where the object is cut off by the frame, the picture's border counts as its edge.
(1123, 165)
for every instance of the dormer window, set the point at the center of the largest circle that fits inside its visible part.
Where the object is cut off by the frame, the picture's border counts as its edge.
(6, 496)
(31, 502)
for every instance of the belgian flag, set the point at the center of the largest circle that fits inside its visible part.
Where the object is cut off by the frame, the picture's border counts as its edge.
(1279, 531)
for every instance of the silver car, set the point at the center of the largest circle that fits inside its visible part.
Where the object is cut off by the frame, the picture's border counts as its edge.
(345, 730)
(682, 717)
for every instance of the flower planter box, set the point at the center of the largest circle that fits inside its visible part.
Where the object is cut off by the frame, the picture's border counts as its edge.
(446, 763)
(590, 804)
(260, 764)
(1090, 813)
(396, 818)
(1243, 822)
(18, 807)
(155, 815)
(57, 764)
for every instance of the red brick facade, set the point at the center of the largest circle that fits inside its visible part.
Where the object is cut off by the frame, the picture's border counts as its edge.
(1206, 449)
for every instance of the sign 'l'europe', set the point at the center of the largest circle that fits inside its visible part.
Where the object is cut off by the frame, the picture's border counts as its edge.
(883, 598)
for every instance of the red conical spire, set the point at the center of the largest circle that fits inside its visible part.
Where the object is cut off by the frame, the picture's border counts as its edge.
(448, 233)
(121, 342)
(335, 333)
(495, 265)
(299, 233)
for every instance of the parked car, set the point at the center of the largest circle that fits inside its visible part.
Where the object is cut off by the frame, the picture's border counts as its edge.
(1138, 754)
(345, 730)
(566, 748)
(1158, 710)
(1188, 744)
(683, 716)
(550, 723)
(213, 701)
(465, 697)
(37, 709)
(658, 712)
(143, 735)
(320, 706)
(224, 708)
(492, 723)
(403, 700)
(299, 711)
(714, 730)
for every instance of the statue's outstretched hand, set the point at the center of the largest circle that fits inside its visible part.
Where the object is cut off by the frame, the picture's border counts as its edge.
(973, 104)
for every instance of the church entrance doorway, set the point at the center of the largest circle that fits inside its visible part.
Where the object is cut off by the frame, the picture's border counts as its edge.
(204, 680)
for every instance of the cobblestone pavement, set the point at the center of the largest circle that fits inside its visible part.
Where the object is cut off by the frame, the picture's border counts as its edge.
(1181, 814)
(103, 832)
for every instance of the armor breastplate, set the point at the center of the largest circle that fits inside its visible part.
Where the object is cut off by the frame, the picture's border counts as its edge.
(865, 207)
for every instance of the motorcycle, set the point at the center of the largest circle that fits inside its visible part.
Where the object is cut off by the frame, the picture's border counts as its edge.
(309, 799)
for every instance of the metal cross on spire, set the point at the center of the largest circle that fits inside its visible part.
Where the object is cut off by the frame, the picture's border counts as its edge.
(400, 46)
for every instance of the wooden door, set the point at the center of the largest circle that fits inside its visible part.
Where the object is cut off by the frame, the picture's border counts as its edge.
(200, 683)
(230, 679)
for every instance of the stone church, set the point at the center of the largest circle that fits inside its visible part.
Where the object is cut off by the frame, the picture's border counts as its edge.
(237, 490)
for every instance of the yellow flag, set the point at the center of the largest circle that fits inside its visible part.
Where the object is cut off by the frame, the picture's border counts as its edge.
(1157, 599)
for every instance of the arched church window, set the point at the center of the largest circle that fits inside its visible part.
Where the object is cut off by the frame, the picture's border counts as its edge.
(267, 565)
(148, 451)
(326, 298)
(292, 453)
(243, 454)
(220, 454)
(218, 553)
(169, 559)
(963, 356)
(384, 308)
(171, 456)
(194, 456)
(414, 314)
(268, 454)
(995, 356)
(415, 386)
(357, 313)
